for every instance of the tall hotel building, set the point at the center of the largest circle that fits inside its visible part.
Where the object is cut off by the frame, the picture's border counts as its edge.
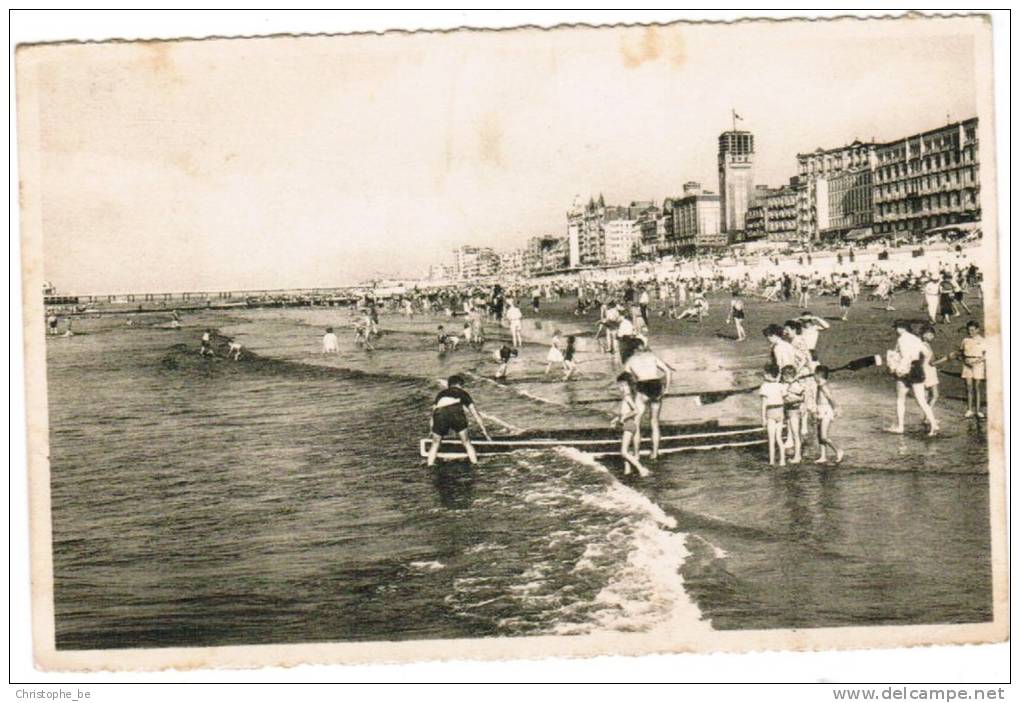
(736, 179)
(928, 180)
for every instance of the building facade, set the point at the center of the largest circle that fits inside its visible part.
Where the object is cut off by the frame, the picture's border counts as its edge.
(472, 262)
(697, 223)
(736, 180)
(815, 170)
(773, 213)
(622, 235)
(546, 254)
(588, 231)
(928, 180)
(850, 205)
(586, 234)
(442, 272)
(782, 212)
(512, 263)
(754, 224)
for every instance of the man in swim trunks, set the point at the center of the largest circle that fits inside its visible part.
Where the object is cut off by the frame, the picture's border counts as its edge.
(651, 382)
(448, 416)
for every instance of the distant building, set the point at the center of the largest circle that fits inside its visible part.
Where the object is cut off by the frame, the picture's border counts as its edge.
(756, 216)
(546, 253)
(472, 262)
(621, 237)
(754, 221)
(512, 263)
(782, 212)
(850, 209)
(906, 186)
(773, 213)
(442, 272)
(588, 231)
(736, 180)
(927, 180)
(697, 223)
(575, 227)
(816, 170)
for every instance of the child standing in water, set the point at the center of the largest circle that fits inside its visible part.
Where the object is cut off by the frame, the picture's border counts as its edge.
(505, 353)
(771, 393)
(973, 353)
(330, 343)
(793, 400)
(569, 365)
(206, 347)
(627, 419)
(555, 356)
(826, 408)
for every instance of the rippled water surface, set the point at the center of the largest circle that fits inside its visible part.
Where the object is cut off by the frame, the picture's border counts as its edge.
(281, 499)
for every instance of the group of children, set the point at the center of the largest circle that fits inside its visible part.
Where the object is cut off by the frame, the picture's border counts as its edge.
(795, 391)
(783, 415)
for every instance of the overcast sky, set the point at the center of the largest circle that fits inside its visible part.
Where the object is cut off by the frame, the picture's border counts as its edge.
(329, 160)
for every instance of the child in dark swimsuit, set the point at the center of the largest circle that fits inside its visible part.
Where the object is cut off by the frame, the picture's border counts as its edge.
(569, 365)
(447, 342)
(448, 415)
(737, 315)
(505, 353)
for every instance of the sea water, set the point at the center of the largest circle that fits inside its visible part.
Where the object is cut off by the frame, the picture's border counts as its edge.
(281, 499)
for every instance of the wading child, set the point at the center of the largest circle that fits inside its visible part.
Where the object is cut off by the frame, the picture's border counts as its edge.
(555, 355)
(627, 420)
(569, 365)
(503, 356)
(362, 334)
(448, 416)
(771, 393)
(793, 401)
(206, 347)
(826, 413)
(330, 343)
(973, 354)
(447, 342)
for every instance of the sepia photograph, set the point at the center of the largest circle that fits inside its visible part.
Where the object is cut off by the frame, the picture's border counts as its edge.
(565, 341)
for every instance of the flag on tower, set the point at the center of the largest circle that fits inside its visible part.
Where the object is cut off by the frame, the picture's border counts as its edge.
(736, 116)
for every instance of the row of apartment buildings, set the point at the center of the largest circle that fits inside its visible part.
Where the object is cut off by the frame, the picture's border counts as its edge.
(542, 254)
(901, 188)
(600, 234)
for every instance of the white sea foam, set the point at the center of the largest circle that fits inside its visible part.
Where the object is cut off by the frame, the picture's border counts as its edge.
(427, 565)
(618, 497)
(484, 547)
(646, 593)
(717, 551)
(518, 391)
